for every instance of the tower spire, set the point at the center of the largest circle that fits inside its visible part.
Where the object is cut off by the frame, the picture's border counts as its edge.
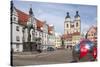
(77, 14)
(67, 15)
(31, 11)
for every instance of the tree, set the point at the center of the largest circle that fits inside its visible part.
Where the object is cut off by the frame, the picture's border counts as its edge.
(62, 43)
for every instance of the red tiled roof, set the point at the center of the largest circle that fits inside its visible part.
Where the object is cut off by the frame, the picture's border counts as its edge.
(22, 17)
(50, 29)
(76, 33)
(91, 28)
(39, 24)
(67, 36)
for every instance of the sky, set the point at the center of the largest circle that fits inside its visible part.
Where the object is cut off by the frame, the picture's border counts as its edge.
(55, 13)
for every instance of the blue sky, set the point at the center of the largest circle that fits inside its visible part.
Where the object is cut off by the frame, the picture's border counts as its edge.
(55, 13)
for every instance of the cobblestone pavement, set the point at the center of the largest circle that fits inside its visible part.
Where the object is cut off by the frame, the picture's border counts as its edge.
(51, 57)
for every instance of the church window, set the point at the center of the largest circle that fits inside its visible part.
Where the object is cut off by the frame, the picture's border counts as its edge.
(67, 26)
(76, 24)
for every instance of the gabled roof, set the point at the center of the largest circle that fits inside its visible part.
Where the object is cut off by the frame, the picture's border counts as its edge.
(22, 17)
(92, 27)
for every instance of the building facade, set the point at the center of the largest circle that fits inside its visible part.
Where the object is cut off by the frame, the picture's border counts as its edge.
(72, 26)
(72, 29)
(92, 34)
(67, 40)
(75, 38)
(51, 36)
(16, 30)
(27, 32)
(58, 41)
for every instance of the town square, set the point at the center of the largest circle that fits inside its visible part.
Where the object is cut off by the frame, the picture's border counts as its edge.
(48, 33)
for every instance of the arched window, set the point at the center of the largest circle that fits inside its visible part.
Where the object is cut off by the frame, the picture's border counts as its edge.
(76, 24)
(67, 26)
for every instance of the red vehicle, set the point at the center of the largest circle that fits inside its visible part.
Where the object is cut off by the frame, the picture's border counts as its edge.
(85, 51)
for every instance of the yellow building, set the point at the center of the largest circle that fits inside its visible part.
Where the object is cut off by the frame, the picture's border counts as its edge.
(75, 38)
(67, 40)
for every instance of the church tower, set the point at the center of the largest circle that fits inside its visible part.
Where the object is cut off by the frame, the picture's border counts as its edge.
(77, 22)
(67, 24)
(31, 21)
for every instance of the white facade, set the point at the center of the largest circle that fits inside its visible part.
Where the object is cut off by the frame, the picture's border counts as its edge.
(58, 41)
(72, 26)
(45, 36)
(51, 37)
(17, 34)
(20, 33)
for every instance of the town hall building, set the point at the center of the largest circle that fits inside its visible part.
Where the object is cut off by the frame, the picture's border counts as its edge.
(29, 33)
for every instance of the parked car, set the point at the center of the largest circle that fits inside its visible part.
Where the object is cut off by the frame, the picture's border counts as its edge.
(50, 49)
(85, 51)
